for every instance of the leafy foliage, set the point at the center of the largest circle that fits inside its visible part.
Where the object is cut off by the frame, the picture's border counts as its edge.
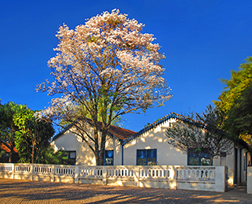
(238, 82)
(33, 136)
(235, 102)
(7, 126)
(239, 120)
(20, 129)
(48, 156)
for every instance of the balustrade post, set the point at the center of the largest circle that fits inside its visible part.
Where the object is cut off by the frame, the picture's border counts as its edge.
(13, 171)
(31, 172)
(220, 178)
(76, 174)
(172, 178)
(249, 180)
(104, 175)
(53, 173)
(136, 171)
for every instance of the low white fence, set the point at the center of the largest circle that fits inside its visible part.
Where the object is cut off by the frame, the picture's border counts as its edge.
(206, 178)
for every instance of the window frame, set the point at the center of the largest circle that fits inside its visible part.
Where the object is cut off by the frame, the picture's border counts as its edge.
(70, 161)
(105, 154)
(205, 155)
(104, 159)
(146, 154)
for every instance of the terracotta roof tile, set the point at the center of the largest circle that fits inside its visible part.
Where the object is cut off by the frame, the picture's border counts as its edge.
(7, 148)
(118, 132)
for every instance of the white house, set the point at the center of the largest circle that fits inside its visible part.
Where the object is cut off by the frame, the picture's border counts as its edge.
(149, 146)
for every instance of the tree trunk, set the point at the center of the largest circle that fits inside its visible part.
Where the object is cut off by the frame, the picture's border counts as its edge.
(11, 152)
(27, 151)
(211, 160)
(33, 147)
(103, 142)
(32, 154)
(10, 156)
(96, 144)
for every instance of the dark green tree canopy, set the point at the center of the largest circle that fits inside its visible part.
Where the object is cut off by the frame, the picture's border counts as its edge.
(33, 135)
(238, 82)
(7, 126)
(236, 102)
(19, 128)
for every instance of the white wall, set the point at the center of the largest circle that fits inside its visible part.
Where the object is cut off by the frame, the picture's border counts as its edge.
(229, 162)
(166, 153)
(84, 155)
(155, 139)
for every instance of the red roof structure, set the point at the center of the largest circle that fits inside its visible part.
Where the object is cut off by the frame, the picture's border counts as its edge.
(7, 148)
(118, 132)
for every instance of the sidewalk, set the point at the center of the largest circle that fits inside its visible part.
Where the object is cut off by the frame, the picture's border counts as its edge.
(21, 191)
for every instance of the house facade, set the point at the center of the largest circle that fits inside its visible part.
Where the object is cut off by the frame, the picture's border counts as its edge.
(149, 146)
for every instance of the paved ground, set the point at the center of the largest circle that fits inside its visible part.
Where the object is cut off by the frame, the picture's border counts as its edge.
(20, 191)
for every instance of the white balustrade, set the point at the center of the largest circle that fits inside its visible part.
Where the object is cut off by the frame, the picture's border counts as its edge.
(155, 172)
(64, 170)
(196, 173)
(42, 169)
(120, 171)
(163, 176)
(23, 168)
(90, 172)
(6, 167)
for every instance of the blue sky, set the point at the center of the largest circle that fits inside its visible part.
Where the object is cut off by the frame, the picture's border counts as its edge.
(203, 40)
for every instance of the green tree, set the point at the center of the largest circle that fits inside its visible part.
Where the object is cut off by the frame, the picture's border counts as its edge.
(52, 157)
(238, 82)
(239, 117)
(235, 102)
(33, 135)
(7, 126)
(203, 134)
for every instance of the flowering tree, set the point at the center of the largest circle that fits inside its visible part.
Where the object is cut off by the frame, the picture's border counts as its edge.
(104, 68)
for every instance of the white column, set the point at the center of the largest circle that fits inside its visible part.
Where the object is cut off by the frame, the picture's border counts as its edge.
(173, 177)
(76, 175)
(104, 175)
(238, 173)
(220, 179)
(31, 172)
(249, 180)
(13, 171)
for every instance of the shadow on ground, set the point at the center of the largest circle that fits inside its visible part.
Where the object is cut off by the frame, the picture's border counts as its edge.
(44, 192)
